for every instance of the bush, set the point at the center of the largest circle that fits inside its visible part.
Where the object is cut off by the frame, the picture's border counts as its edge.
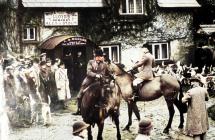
(211, 112)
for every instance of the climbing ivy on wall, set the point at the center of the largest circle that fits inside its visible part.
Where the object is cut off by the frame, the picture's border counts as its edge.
(8, 36)
(104, 24)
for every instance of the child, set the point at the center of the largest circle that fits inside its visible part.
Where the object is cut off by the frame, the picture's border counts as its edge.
(145, 127)
(79, 130)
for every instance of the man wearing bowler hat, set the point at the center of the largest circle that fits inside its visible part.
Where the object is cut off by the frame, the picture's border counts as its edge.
(79, 129)
(96, 68)
(145, 127)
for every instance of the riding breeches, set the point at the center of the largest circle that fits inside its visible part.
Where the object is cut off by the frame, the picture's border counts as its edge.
(137, 81)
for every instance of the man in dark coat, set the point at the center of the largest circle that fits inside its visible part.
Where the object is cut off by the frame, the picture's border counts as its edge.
(96, 68)
(79, 70)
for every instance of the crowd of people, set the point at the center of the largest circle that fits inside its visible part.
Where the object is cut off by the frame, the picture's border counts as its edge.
(32, 86)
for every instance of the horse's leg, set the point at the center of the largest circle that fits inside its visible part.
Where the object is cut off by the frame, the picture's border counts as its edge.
(89, 133)
(129, 116)
(171, 114)
(100, 130)
(116, 120)
(135, 110)
(177, 104)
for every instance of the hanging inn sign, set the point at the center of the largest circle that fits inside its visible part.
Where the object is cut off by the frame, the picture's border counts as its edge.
(61, 18)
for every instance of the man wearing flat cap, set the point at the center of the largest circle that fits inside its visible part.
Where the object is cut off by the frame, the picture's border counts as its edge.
(96, 68)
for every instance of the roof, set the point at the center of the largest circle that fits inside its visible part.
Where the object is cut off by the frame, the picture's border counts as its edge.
(54, 41)
(207, 29)
(63, 3)
(178, 3)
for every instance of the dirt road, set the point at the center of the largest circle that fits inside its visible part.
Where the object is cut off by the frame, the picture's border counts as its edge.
(61, 129)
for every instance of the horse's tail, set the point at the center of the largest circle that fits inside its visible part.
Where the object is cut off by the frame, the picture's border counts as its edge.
(178, 102)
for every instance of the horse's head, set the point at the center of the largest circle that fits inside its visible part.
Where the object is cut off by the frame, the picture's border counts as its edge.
(116, 69)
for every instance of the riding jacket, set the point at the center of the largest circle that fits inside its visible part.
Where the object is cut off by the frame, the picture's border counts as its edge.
(145, 64)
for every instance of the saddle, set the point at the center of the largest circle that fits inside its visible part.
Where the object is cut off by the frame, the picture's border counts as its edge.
(136, 90)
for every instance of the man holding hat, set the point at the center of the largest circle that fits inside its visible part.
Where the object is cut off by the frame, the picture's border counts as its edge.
(79, 129)
(197, 116)
(96, 68)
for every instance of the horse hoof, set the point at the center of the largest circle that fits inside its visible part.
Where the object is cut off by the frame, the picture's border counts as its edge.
(166, 131)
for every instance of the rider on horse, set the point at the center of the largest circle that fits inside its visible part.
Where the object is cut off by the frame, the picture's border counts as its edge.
(96, 69)
(146, 63)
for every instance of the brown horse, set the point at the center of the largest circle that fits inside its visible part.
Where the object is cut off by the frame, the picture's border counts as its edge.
(164, 85)
(92, 113)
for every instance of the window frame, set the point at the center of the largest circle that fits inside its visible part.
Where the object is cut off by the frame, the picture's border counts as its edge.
(28, 28)
(127, 8)
(110, 54)
(153, 45)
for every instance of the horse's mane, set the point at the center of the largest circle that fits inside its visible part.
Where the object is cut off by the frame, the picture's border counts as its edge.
(121, 66)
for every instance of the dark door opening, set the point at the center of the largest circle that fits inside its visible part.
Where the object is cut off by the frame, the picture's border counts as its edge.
(76, 62)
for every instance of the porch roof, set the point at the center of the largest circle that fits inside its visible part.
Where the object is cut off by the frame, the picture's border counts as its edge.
(54, 41)
(63, 3)
(207, 29)
(178, 3)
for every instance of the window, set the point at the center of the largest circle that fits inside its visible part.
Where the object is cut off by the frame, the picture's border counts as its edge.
(29, 33)
(112, 52)
(129, 7)
(159, 50)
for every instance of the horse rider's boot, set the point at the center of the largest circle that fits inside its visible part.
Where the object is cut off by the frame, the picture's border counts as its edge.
(78, 112)
(79, 98)
(136, 89)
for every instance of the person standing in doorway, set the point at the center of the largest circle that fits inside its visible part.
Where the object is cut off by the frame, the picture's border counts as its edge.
(79, 70)
(62, 83)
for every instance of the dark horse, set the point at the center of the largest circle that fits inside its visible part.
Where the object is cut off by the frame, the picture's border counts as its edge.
(92, 113)
(164, 85)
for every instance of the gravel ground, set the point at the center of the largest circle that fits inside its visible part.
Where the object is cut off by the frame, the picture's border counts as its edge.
(61, 129)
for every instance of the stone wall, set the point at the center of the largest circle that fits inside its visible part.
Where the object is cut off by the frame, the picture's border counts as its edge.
(9, 38)
(172, 25)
